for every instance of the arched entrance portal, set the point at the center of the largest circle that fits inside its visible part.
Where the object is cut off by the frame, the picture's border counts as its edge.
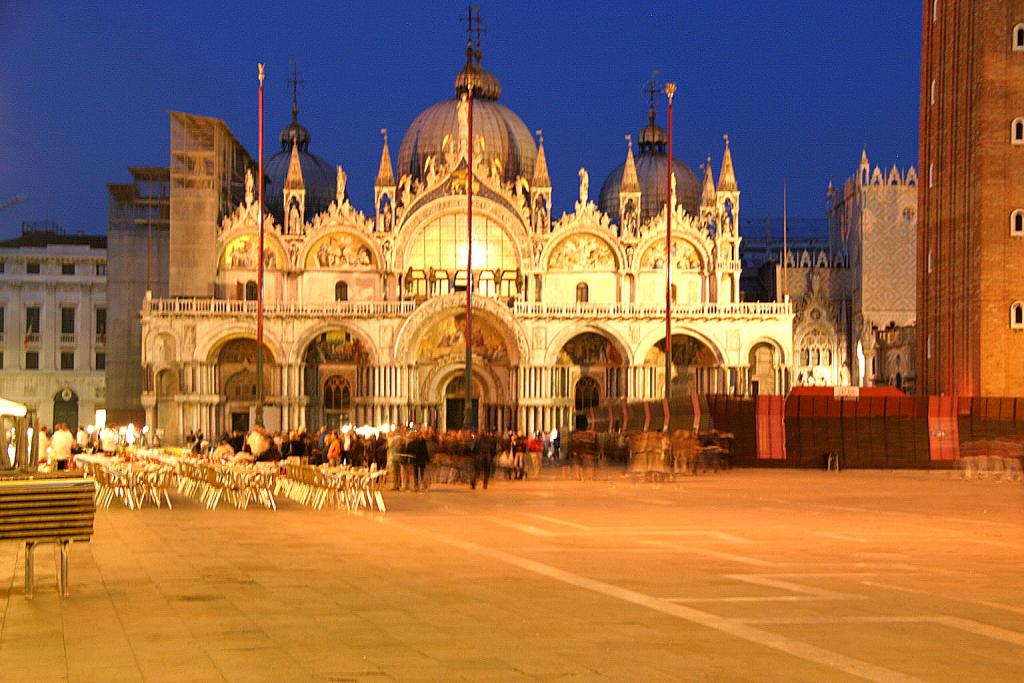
(455, 404)
(332, 361)
(595, 369)
(440, 369)
(65, 409)
(694, 365)
(236, 374)
(588, 395)
(766, 369)
(166, 409)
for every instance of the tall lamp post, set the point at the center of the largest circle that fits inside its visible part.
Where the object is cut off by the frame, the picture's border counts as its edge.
(259, 271)
(467, 417)
(670, 90)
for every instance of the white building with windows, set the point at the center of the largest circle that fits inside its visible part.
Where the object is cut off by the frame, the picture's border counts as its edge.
(365, 315)
(53, 323)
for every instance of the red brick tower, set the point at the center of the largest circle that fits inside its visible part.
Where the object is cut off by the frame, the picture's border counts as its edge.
(970, 258)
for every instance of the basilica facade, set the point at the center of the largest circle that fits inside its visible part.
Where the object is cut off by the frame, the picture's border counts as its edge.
(365, 314)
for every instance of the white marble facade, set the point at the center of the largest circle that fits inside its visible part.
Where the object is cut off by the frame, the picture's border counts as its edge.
(365, 315)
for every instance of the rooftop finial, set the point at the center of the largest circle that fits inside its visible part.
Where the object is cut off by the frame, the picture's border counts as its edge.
(295, 82)
(651, 89)
(479, 27)
(473, 23)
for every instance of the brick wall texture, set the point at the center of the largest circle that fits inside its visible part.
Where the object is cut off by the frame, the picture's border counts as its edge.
(971, 179)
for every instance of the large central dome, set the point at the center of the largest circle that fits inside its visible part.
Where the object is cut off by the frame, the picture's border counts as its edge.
(505, 135)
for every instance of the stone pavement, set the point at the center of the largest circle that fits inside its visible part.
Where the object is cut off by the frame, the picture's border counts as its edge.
(752, 575)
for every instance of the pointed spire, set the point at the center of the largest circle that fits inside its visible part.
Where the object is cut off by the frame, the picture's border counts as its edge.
(727, 176)
(386, 173)
(293, 181)
(864, 156)
(630, 182)
(707, 195)
(541, 179)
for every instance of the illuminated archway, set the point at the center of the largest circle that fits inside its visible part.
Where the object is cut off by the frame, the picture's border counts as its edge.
(694, 364)
(238, 381)
(331, 363)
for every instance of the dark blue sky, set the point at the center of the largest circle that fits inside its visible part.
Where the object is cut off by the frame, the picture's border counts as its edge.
(799, 85)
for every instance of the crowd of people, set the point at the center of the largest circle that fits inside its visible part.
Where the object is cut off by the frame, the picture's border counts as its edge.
(57, 447)
(404, 452)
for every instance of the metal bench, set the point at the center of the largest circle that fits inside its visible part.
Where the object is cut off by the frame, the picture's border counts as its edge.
(47, 510)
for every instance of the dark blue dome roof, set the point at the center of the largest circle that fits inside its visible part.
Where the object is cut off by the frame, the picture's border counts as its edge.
(319, 176)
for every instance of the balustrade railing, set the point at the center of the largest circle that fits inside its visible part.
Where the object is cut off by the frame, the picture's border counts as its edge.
(67, 339)
(633, 310)
(217, 307)
(373, 309)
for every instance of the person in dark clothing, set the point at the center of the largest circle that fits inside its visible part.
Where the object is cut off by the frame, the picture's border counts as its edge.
(380, 452)
(237, 441)
(272, 454)
(357, 452)
(484, 450)
(417, 448)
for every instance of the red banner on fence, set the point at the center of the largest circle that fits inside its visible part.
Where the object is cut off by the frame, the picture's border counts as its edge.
(771, 427)
(943, 432)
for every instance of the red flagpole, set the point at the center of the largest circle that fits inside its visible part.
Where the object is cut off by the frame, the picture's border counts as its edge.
(467, 419)
(670, 90)
(259, 272)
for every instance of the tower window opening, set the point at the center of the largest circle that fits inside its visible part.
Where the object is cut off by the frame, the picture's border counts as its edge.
(1017, 223)
(341, 291)
(1017, 132)
(1017, 315)
(1018, 38)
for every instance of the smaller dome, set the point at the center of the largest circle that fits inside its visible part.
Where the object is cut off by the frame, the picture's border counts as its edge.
(651, 172)
(485, 84)
(295, 133)
(652, 137)
(318, 176)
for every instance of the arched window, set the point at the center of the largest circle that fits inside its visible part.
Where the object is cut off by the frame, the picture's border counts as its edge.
(1017, 131)
(1017, 315)
(341, 291)
(1018, 38)
(1017, 223)
(337, 394)
(250, 291)
(582, 293)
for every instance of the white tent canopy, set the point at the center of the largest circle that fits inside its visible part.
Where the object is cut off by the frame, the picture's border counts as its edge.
(12, 408)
